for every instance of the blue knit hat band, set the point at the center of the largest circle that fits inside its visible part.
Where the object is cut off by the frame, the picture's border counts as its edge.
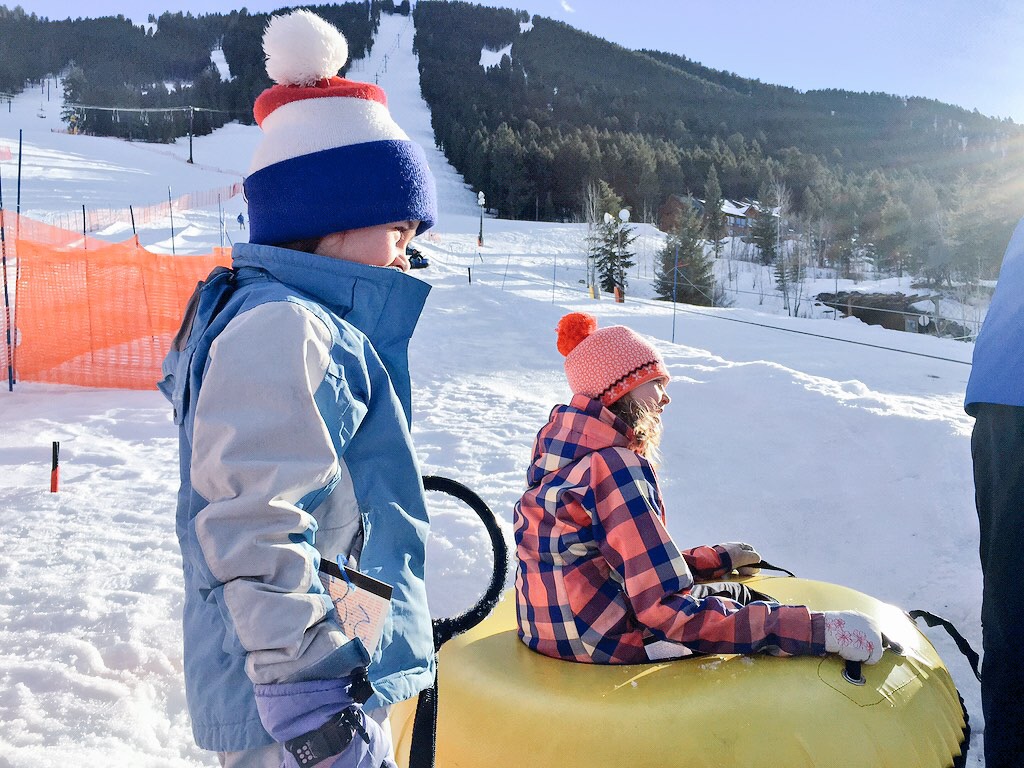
(335, 190)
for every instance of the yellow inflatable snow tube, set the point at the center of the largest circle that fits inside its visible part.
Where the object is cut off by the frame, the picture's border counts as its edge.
(500, 705)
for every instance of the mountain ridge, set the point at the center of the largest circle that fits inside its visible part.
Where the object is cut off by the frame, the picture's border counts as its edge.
(568, 109)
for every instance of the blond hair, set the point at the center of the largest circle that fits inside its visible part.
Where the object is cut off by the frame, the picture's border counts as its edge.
(645, 423)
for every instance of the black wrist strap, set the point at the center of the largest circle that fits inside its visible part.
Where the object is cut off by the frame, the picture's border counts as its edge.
(360, 689)
(329, 739)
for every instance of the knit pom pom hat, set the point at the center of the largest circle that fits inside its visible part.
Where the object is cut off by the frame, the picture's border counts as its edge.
(605, 363)
(331, 159)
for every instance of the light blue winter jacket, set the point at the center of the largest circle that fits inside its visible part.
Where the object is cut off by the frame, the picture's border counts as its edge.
(293, 400)
(997, 375)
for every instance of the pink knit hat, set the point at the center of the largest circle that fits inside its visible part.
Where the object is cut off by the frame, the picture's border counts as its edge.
(604, 364)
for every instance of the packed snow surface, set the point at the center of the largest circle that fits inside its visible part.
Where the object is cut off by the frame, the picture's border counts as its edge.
(841, 451)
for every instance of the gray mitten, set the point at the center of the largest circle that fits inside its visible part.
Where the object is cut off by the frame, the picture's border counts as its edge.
(742, 556)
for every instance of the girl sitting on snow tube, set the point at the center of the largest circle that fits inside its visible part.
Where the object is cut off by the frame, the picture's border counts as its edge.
(599, 579)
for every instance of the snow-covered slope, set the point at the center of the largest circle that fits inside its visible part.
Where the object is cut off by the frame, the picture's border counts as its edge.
(841, 460)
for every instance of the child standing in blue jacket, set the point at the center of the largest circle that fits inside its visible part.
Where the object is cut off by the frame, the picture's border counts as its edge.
(290, 385)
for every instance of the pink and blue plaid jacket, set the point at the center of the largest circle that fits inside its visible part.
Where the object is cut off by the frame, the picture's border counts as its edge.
(598, 572)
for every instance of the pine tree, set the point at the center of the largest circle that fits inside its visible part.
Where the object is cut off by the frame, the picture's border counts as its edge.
(765, 231)
(714, 218)
(509, 187)
(599, 200)
(600, 250)
(925, 242)
(610, 249)
(685, 272)
(965, 224)
(74, 84)
(891, 245)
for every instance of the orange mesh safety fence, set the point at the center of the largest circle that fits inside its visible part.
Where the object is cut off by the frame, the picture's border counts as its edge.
(103, 316)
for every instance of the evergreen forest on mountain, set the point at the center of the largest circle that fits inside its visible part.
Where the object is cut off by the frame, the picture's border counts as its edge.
(916, 185)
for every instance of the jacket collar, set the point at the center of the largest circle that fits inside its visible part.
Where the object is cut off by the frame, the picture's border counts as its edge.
(384, 304)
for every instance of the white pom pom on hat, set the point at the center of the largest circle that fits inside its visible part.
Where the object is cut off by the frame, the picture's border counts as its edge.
(331, 158)
(301, 48)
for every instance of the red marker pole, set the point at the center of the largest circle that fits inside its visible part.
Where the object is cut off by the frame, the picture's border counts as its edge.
(55, 468)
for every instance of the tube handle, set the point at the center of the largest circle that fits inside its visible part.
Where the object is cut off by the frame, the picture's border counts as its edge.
(852, 670)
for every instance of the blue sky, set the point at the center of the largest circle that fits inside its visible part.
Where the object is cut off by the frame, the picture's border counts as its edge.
(965, 52)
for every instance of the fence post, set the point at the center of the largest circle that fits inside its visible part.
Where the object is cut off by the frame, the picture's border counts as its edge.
(55, 468)
(170, 209)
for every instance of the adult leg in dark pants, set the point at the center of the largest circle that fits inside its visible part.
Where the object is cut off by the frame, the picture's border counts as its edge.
(997, 447)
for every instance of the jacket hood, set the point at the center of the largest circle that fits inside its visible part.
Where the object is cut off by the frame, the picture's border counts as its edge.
(573, 431)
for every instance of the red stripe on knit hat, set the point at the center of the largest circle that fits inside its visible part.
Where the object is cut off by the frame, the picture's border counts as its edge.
(279, 95)
(655, 369)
